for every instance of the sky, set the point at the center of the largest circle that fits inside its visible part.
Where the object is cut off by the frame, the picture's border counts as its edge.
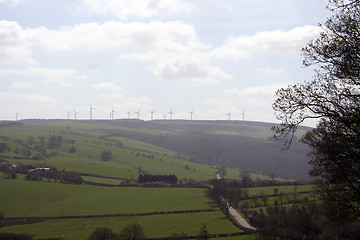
(209, 57)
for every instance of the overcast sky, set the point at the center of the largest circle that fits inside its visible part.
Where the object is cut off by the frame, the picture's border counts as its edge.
(212, 56)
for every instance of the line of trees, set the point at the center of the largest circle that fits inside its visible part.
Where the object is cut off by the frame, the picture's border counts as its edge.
(148, 178)
(333, 97)
(301, 221)
(34, 173)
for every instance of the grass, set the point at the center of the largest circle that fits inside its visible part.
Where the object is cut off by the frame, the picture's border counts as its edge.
(20, 198)
(153, 226)
(124, 164)
(281, 189)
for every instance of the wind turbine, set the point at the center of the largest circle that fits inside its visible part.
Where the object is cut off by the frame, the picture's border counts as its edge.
(75, 113)
(68, 113)
(129, 112)
(138, 114)
(243, 115)
(229, 115)
(17, 115)
(165, 116)
(91, 111)
(152, 114)
(171, 113)
(112, 113)
(191, 114)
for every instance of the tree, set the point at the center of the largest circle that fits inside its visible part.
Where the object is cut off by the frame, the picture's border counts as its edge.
(333, 96)
(203, 233)
(72, 149)
(132, 232)
(3, 147)
(102, 234)
(106, 156)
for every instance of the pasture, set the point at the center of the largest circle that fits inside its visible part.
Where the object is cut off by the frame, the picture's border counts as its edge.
(154, 225)
(20, 198)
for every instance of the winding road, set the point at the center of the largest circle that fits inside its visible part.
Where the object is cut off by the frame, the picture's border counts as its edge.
(236, 215)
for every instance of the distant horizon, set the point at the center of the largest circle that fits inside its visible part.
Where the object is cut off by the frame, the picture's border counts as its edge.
(154, 120)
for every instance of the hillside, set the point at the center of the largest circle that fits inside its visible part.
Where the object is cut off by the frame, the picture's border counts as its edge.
(238, 145)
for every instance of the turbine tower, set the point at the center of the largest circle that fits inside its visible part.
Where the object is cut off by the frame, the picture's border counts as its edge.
(129, 113)
(243, 115)
(152, 114)
(171, 113)
(191, 114)
(91, 111)
(165, 116)
(229, 115)
(112, 113)
(68, 113)
(17, 115)
(138, 114)
(75, 113)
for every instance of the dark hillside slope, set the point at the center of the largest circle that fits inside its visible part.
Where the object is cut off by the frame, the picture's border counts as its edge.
(243, 145)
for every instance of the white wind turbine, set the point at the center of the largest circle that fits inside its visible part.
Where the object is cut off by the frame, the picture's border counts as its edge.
(112, 114)
(68, 113)
(165, 116)
(152, 114)
(91, 111)
(171, 113)
(229, 115)
(191, 114)
(17, 115)
(243, 115)
(138, 114)
(75, 113)
(129, 113)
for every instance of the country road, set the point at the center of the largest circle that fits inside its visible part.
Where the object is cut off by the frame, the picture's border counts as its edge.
(240, 219)
(235, 214)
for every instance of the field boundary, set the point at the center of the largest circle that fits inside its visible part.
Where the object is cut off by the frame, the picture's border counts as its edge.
(113, 215)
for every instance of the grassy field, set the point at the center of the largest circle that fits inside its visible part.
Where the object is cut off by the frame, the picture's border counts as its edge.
(154, 226)
(126, 162)
(281, 189)
(20, 198)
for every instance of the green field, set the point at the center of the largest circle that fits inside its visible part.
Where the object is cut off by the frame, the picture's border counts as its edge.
(154, 226)
(20, 198)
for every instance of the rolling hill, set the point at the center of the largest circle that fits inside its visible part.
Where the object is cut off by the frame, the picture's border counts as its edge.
(175, 146)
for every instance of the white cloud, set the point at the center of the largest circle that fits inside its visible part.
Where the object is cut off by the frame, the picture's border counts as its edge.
(265, 91)
(19, 85)
(13, 47)
(60, 77)
(266, 42)
(109, 35)
(271, 70)
(108, 86)
(10, 2)
(171, 49)
(110, 96)
(139, 8)
(19, 98)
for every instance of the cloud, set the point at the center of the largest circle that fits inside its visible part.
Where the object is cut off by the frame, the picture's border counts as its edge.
(19, 98)
(108, 86)
(263, 91)
(271, 70)
(18, 85)
(171, 49)
(110, 96)
(139, 8)
(274, 42)
(96, 37)
(14, 49)
(10, 2)
(59, 76)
